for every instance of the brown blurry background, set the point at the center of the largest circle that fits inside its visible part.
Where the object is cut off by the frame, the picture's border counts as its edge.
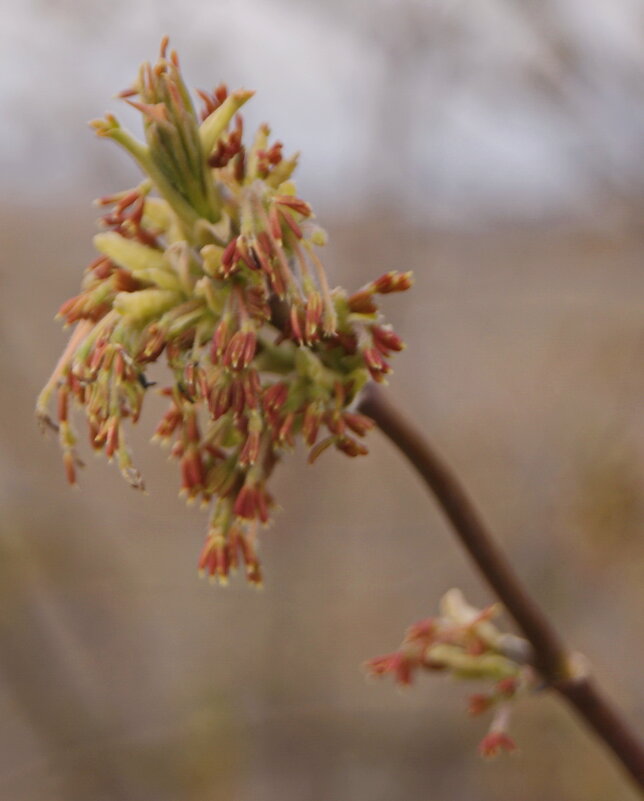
(496, 150)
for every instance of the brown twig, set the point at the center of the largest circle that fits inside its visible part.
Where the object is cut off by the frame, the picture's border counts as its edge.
(551, 656)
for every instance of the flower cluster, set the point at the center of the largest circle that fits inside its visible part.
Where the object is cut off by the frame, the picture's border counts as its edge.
(211, 261)
(463, 642)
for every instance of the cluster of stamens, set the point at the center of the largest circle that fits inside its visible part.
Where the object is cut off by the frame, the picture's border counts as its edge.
(463, 642)
(212, 261)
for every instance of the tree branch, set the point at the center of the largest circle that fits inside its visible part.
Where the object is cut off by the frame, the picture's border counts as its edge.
(551, 656)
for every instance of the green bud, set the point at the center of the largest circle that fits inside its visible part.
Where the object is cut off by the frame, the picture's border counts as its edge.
(456, 608)
(157, 214)
(319, 236)
(214, 125)
(211, 255)
(146, 303)
(468, 666)
(278, 179)
(164, 279)
(128, 253)
(308, 365)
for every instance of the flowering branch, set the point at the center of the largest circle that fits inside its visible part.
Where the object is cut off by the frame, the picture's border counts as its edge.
(561, 670)
(210, 263)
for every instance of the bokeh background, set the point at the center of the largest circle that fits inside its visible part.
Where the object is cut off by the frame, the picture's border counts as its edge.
(495, 148)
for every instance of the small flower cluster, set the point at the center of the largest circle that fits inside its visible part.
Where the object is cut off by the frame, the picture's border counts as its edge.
(212, 261)
(463, 642)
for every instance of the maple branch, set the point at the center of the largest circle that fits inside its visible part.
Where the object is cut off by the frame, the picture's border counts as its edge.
(551, 657)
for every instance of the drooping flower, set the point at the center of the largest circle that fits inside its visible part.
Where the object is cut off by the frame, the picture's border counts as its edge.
(211, 264)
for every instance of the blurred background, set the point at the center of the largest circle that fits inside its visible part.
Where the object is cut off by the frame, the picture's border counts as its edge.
(496, 149)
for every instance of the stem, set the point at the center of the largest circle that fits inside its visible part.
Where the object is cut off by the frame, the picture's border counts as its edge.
(551, 656)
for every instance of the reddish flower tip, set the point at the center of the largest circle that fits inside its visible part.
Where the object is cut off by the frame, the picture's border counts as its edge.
(479, 704)
(494, 743)
(396, 664)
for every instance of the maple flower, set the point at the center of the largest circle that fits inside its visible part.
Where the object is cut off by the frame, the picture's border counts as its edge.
(210, 264)
(463, 642)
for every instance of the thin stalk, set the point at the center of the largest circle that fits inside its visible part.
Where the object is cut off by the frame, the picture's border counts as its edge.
(552, 658)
